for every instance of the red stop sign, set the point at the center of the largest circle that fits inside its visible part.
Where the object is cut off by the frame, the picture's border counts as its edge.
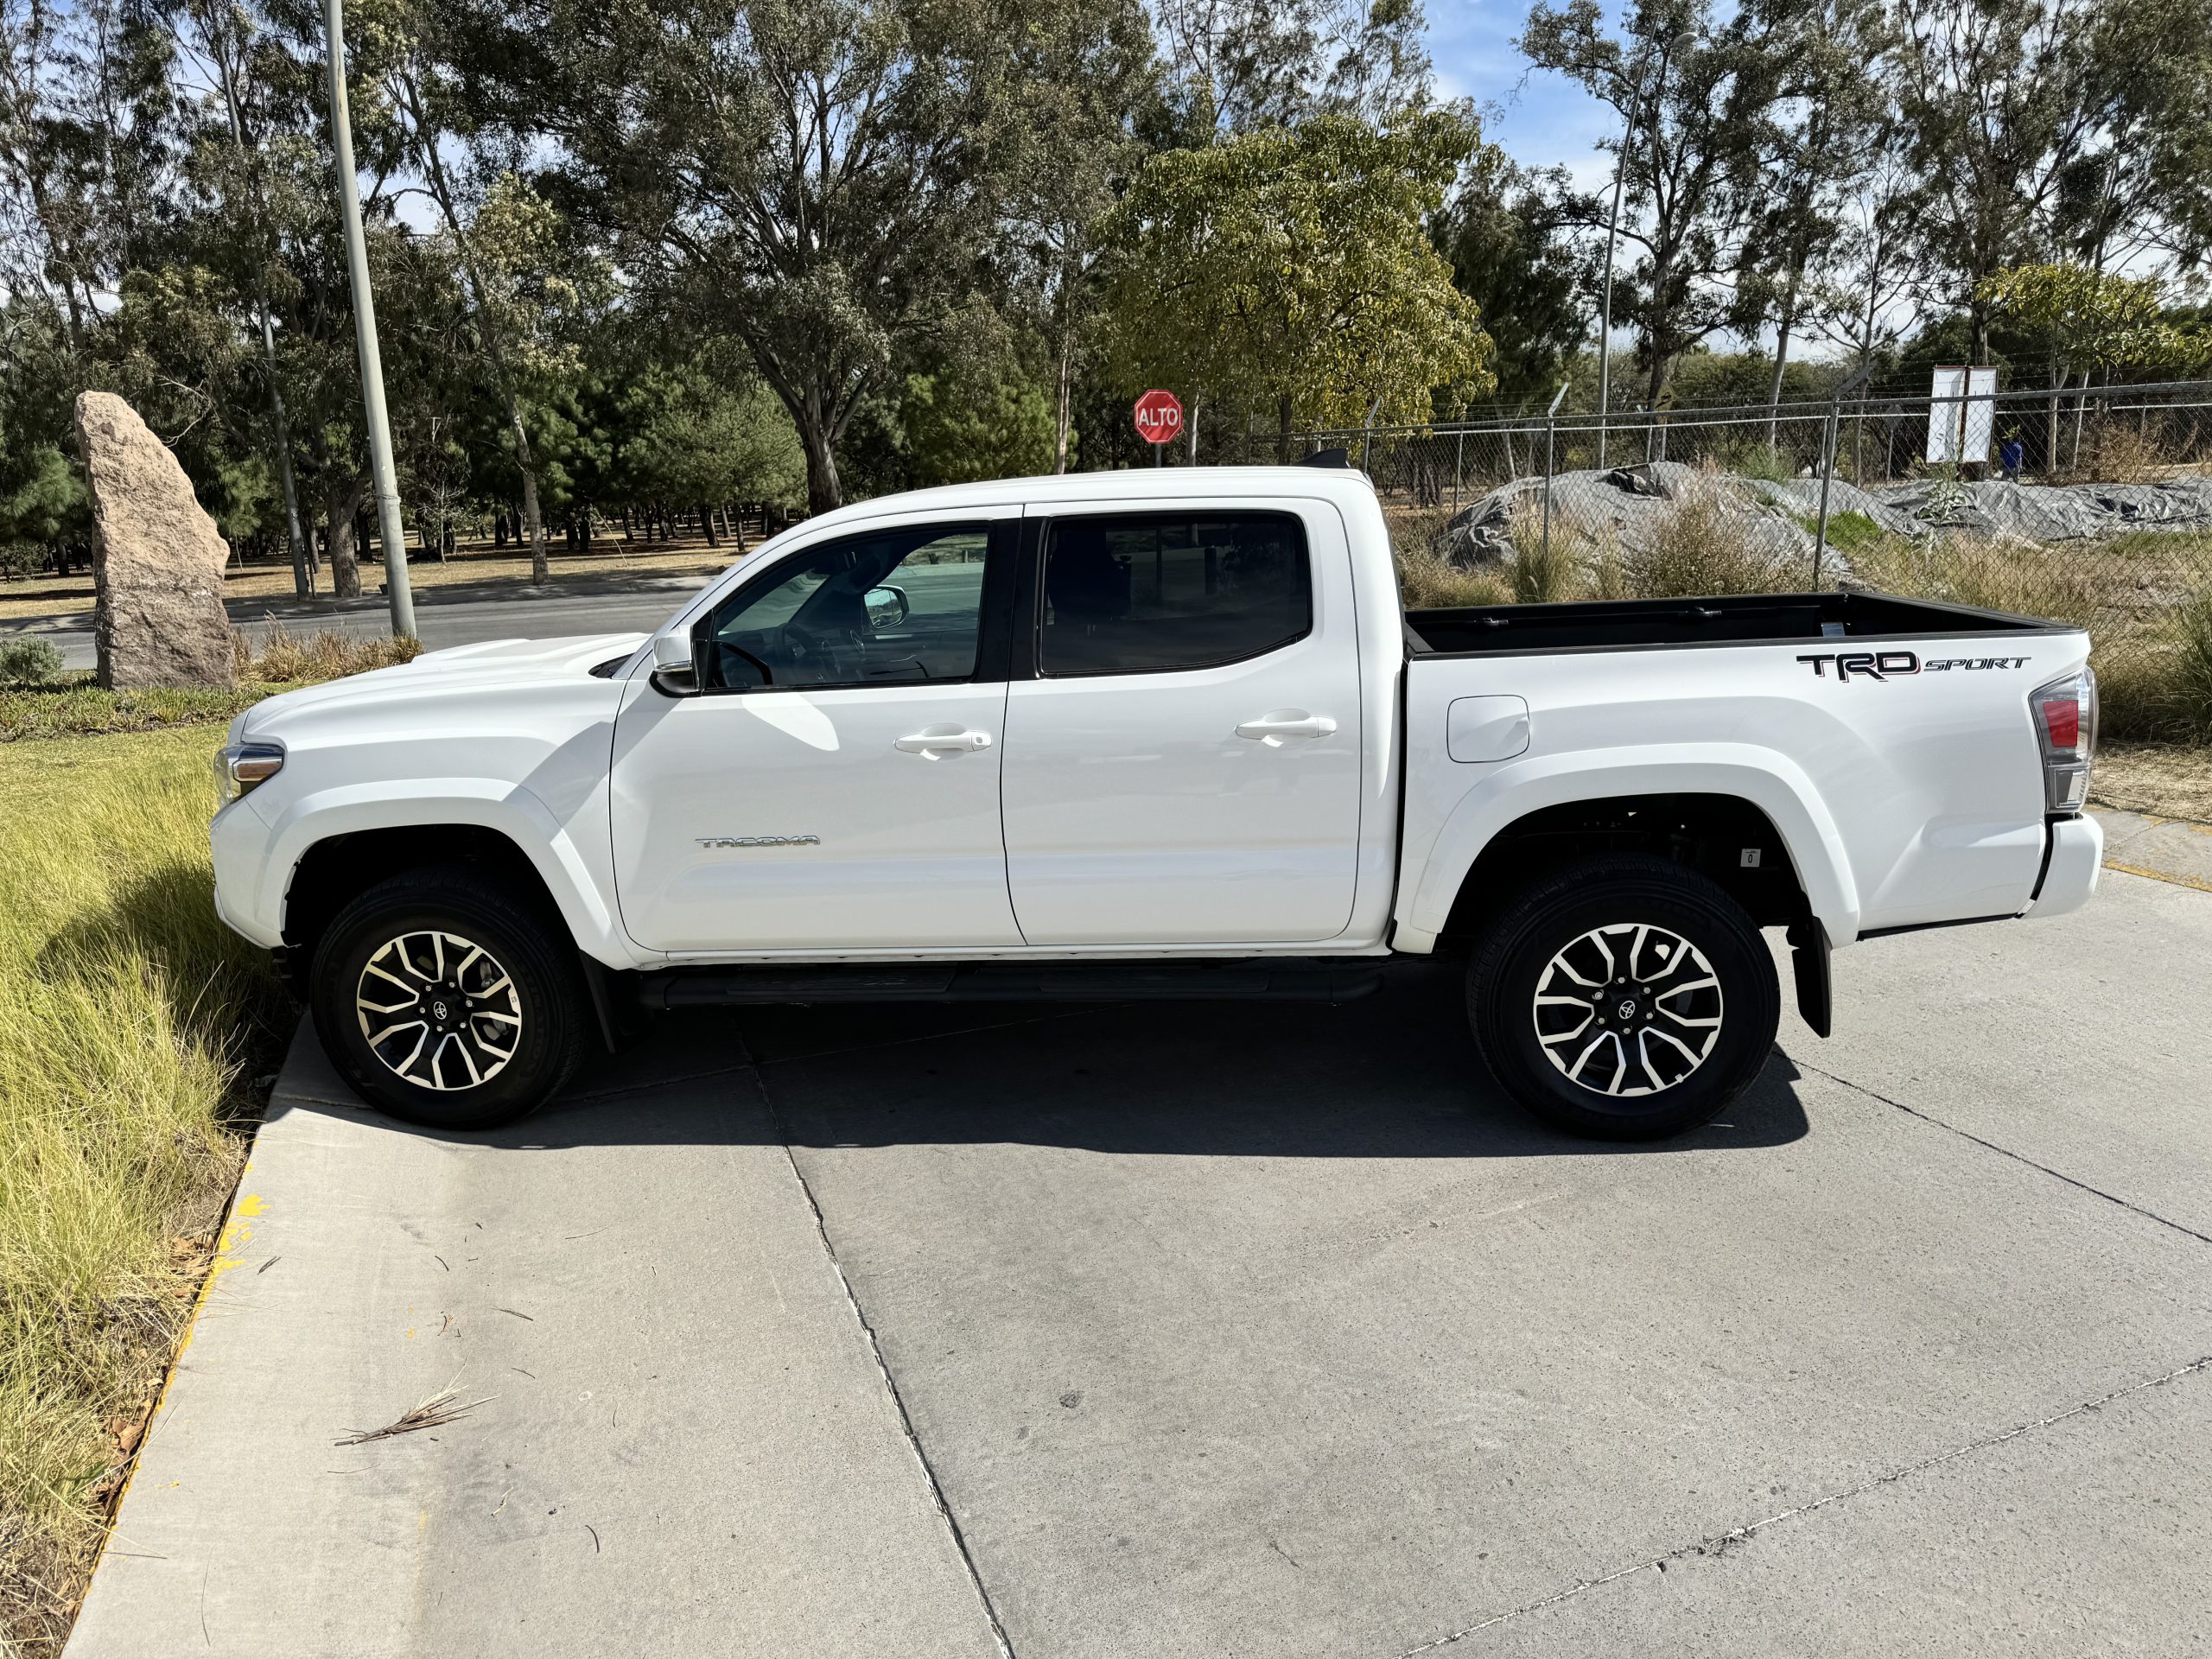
(1160, 417)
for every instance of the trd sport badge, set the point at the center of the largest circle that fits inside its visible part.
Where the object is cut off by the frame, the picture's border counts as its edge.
(1869, 665)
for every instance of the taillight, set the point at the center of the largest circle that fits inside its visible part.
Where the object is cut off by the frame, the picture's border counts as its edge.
(2066, 727)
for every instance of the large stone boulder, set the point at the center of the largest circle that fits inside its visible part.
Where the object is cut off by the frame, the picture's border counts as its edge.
(157, 561)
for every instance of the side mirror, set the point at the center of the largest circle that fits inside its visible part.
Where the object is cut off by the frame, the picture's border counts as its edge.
(675, 670)
(886, 607)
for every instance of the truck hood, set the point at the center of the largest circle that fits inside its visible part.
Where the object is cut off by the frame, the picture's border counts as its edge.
(496, 665)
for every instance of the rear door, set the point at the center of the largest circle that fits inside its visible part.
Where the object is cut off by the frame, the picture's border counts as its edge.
(1182, 741)
(836, 784)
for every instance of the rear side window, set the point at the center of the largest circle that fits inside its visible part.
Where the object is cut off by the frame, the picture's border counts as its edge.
(1139, 592)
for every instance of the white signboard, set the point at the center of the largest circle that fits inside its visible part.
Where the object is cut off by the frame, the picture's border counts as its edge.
(1961, 416)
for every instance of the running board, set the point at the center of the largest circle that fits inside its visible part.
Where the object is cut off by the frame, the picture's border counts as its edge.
(1249, 979)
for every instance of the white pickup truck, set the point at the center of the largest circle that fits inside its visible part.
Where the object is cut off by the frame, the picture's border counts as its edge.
(1151, 733)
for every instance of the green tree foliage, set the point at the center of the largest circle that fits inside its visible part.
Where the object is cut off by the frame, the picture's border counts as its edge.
(2088, 319)
(991, 425)
(2047, 127)
(812, 177)
(1086, 73)
(1288, 267)
(1694, 87)
(705, 436)
(1506, 233)
(1821, 139)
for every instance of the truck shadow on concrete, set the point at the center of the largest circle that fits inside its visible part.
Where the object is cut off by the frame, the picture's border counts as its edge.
(1394, 1076)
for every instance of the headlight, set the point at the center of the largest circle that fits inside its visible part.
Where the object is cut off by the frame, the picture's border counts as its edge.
(239, 767)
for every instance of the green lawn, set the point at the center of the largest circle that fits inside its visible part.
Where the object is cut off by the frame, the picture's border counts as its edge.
(135, 1023)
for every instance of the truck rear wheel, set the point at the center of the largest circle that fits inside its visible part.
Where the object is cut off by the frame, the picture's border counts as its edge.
(1624, 998)
(444, 999)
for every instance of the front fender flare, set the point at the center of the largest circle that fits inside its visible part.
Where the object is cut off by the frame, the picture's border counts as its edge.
(1771, 782)
(504, 808)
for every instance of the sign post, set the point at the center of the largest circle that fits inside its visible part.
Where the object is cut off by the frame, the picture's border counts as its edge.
(1158, 421)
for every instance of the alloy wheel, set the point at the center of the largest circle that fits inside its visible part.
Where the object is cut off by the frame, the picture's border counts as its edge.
(438, 1010)
(1628, 1009)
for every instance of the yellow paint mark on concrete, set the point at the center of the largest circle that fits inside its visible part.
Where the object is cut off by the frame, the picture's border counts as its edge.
(421, 1520)
(2159, 875)
(232, 1239)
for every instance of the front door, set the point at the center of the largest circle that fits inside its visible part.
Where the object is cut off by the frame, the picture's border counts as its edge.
(1185, 768)
(834, 786)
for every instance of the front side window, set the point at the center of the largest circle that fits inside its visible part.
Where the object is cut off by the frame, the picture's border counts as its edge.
(899, 606)
(1142, 591)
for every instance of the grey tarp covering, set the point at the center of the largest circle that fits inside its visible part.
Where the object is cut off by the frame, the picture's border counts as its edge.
(1626, 504)
(1629, 503)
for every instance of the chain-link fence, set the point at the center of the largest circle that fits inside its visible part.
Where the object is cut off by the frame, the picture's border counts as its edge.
(2091, 505)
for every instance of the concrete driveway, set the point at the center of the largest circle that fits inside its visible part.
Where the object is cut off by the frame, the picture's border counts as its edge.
(1224, 1330)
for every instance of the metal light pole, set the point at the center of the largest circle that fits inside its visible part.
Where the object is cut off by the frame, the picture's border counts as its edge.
(385, 478)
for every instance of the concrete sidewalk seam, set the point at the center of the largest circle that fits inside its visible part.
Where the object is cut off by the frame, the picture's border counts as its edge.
(890, 1385)
(1720, 1543)
(2007, 1152)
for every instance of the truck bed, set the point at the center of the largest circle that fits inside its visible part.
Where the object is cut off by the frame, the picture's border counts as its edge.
(1754, 619)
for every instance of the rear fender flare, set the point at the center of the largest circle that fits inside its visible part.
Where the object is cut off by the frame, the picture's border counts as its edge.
(1771, 782)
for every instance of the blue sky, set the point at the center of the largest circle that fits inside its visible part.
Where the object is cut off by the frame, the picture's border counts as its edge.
(1538, 119)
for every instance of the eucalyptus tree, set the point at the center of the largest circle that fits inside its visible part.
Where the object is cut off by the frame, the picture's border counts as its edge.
(1507, 234)
(432, 65)
(1085, 72)
(1234, 65)
(231, 78)
(1996, 98)
(2142, 184)
(817, 178)
(84, 149)
(1692, 88)
(1823, 134)
(1861, 295)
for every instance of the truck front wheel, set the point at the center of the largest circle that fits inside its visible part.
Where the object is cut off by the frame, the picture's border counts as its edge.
(443, 998)
(1624, 998)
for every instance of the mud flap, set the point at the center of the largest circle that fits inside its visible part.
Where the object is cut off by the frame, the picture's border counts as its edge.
(1809, 956)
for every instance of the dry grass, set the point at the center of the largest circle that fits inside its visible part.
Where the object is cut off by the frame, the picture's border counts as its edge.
(2169, 780)
(75, 707)
(1705, 547)
(282, 656)
(1546, 568)
(1427, 583)
(132, 1015)
(2015, 576)
(2152, 646)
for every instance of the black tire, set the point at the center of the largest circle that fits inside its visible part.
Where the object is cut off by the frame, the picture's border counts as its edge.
(1647, 1061)
(432, 918)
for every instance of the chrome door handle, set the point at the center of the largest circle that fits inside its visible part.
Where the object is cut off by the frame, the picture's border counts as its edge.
(1278, 727)
(940, 740)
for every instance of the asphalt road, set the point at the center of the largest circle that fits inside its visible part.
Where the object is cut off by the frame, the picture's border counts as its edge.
(1217, 1330)
(462, 615)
